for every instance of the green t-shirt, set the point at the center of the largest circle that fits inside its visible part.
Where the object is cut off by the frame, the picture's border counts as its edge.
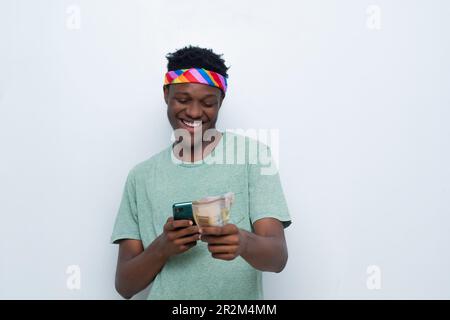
(155, 184)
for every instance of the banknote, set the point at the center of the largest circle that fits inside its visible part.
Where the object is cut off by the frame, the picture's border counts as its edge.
(214, 210)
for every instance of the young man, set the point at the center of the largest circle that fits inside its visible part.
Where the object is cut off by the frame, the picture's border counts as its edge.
(179, 259)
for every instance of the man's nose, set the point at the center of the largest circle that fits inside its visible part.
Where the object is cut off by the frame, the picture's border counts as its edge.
(194, 110)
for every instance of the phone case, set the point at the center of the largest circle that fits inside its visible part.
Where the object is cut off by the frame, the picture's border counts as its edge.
(183, 210)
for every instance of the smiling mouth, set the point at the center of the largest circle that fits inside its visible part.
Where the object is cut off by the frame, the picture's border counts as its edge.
(191, 124)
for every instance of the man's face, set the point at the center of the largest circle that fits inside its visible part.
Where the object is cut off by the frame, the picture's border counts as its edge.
(192, 104)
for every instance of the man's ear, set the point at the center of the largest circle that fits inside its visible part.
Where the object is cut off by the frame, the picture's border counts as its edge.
(166, 94)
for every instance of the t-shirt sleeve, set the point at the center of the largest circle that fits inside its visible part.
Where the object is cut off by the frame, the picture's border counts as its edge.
(266, 195)
(127, 223)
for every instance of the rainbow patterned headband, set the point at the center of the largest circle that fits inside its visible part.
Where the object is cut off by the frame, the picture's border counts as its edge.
(196, 75)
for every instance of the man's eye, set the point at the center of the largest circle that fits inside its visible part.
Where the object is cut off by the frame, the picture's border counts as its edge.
(209, 104)
(182, 100)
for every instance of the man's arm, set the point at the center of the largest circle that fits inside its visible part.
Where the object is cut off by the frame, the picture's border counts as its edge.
(137, 268)
(265, 249)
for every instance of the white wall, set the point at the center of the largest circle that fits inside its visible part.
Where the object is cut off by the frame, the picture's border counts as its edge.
(363, 116)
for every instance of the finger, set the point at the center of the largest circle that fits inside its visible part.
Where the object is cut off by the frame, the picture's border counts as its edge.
(168, 224)
(230, 229)
(220, 239)
(187, 246)
(181, 223)
(224, 256)
(186, 240)
(216, 231)
(220, 231)
(185, 232)
(222, 249)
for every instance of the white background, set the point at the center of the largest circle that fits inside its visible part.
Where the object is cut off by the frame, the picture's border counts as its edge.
(363, 115)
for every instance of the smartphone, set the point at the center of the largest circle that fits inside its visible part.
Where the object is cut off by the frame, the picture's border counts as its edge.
(183, 211)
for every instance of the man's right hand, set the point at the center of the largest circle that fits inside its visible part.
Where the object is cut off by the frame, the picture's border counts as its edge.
(178, 236)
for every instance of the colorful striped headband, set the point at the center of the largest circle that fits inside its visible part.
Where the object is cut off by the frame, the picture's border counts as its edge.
(196, 75)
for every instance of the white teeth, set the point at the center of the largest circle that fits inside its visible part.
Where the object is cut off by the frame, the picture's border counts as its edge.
(192, 124)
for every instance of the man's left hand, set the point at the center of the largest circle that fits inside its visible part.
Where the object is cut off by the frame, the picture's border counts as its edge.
(226, 243)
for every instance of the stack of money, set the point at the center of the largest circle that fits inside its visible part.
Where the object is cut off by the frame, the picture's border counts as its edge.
(213, 211)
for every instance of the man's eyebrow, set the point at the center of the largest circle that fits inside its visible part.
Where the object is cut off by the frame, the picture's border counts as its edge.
(210, 95)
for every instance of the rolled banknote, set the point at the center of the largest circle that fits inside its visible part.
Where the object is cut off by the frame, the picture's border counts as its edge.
(213, 211)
